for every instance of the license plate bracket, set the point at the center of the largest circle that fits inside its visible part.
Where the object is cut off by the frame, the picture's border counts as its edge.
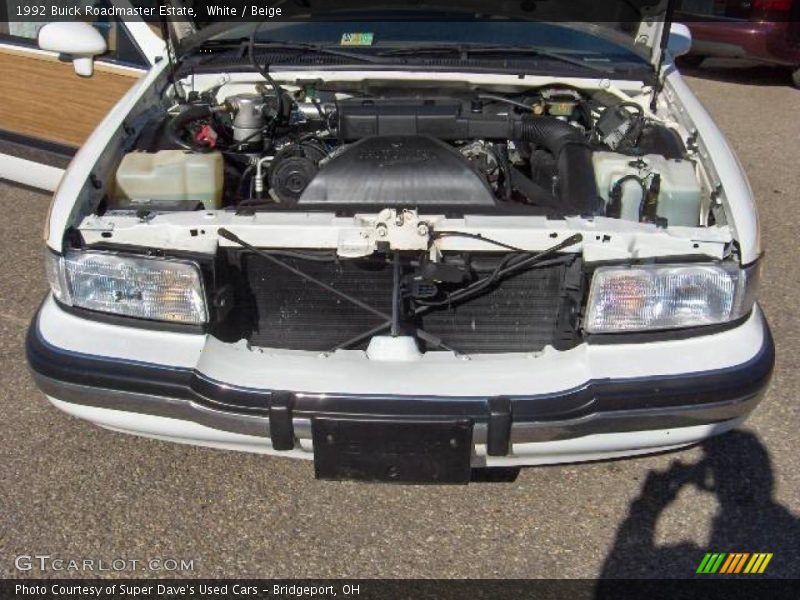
(392, 451)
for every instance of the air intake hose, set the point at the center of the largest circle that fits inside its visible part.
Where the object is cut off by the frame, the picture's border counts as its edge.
(577, 188)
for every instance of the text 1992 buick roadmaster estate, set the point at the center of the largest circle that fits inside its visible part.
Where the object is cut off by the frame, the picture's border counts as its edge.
(405, 247)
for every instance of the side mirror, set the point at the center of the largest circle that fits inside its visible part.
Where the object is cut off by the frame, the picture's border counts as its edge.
(78, 39)
(680, 40)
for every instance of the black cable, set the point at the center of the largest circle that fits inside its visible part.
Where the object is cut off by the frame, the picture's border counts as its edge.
(473, 236)
(320, 110)
(193, 113)
(171, 44)
(615, 206)
(638, 108)
(419, 311)
(630, 138)
(243, 179)
(320, 257)
(249, 206)
(491, 279)
(473, 288)
(396, 272)
(503, 99)
(232, 237)
(264, 70)
(500, 152)
(504, 269)
(177, 124)
(586, 111)
(624, 104)
(465, 293)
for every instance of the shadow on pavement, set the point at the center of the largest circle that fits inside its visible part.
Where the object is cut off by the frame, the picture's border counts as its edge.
(739, 71)
(736, 468)
(495, 475)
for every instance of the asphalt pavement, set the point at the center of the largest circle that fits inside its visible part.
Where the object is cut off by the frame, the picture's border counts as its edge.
(74, 491)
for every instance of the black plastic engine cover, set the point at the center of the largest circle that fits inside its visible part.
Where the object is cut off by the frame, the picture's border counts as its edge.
(402, 171)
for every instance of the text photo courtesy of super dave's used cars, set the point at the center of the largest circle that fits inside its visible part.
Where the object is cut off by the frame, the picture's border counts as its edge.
(404, 249)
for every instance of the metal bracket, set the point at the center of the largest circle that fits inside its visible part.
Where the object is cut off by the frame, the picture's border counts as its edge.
(281, 429)
(498, 431)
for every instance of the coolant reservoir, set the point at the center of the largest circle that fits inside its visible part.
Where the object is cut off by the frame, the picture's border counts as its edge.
(170, 179)
(679, 201)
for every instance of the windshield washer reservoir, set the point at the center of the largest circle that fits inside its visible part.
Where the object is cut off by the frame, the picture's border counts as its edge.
(679, 200)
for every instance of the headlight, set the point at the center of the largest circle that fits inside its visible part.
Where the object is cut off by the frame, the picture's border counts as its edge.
(146, 288)
(645, 298)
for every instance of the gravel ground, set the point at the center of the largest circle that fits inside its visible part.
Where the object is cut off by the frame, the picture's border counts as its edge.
(72, 490)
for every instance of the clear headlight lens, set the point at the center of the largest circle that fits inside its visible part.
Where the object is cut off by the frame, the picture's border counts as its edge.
(54, 271)
(645, 298)
(145, 288)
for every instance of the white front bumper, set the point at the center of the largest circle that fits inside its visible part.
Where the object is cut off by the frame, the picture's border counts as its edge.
(536, 383)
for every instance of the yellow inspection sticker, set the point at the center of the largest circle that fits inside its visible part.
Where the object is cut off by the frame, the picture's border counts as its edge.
(357, 39)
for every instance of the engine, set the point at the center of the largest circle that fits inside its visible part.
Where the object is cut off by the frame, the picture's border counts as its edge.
(553, 151)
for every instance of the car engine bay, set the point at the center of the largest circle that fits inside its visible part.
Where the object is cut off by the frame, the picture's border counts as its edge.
(464, 217)
(554, 151)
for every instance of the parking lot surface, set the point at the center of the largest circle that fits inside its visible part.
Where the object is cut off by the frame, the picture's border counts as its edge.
(74, 491)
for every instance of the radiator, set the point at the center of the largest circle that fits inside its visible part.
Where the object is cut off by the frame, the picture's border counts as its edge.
(286, 311)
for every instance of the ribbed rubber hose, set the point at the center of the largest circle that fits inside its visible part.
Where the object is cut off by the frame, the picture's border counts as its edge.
(577, 188)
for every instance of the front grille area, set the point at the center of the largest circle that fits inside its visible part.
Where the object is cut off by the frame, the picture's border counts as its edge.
(519, 315)
(278, 309)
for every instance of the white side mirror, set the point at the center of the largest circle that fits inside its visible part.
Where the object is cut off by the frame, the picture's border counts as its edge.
(78, 39)
(680, 40)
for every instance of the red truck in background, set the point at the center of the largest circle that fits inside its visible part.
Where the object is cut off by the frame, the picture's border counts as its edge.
(762, 30)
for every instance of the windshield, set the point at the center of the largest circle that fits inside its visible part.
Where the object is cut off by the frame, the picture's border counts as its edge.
(616, 29)
(374, 37)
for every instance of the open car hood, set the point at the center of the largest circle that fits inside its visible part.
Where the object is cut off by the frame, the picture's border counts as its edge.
(639, 25)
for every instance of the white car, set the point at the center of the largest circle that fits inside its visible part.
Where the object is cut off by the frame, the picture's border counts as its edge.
(406, 248)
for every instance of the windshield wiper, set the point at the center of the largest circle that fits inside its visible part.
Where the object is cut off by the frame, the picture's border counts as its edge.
(467, 50)
(301, 47)
(318, 49)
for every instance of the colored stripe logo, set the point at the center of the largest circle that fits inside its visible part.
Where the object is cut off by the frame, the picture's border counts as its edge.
(733, 563)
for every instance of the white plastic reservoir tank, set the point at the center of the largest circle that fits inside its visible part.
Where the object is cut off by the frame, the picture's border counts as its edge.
(680, 199)
(171, 176)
